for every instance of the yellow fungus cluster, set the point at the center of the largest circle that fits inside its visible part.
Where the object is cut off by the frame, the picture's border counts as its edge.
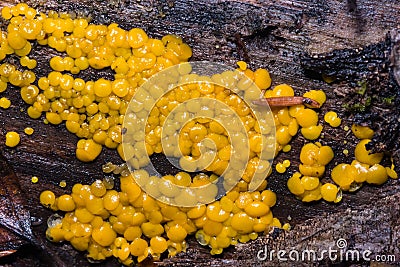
(365, 167)
(306, 184)
(288, 120)
(218, 115)
(130, 225)
(332, 119)
(347, 177)
(93, 110)
(282, 166)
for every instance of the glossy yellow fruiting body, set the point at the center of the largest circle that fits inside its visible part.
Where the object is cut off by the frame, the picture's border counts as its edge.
(295, 185)
(282, 90)
(131, 54)
(34, 179)
(262, 79)
(306, 185)
(138, 247)
(5, 103)
(307, 118)
(312, 132)
(120, 220)
(280, 168)
(377, 175)
(362, 132)
(47, 198)
(309, 182)
(65, 203)
(28, 130)
(317, 95)
(104, 235)
(330, 192)
(12, 139)
(242, 65)
(391, 173)
(332, 119)
(365, 156)
(87, 150)
(344, 175)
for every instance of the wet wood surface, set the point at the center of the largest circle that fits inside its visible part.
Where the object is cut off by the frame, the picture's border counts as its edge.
(271, 34)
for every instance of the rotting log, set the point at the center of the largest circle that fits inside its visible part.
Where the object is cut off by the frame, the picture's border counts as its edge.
(271, 34)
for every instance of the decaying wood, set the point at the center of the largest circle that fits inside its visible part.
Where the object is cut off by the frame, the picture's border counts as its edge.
(375, 100)
(15, 219)
(15, 224)
(270, 34)
(362, 229)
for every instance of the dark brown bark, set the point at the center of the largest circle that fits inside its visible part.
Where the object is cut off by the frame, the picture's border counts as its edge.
(271, 34)
(15, 224)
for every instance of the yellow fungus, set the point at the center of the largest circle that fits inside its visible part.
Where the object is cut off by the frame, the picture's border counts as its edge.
(286, 148)
(158, 244)
(309, 154)
(104, 235)
(332, 118)
(262, 79)
(138, 247)
(317, 95)
(47, 198)
(312, 132)
(15, 40)
(329, 192)
(5, 103)
(280, 168)
(295, 185)
(34, 179)
(312, 170)
(3, 86)
(12, 139)
(391, 173)
(363, 155)
(344, 175)
(105, 222)
(377, 174)
(362, 132)
(63, 183)
(257, 209)
(309, 182)
(307, 117)
(102, 87)
(281, 90)
(286, 227)
(286, 163)
(242, 65)
(28, 130)
(65, 203)
(87, 150)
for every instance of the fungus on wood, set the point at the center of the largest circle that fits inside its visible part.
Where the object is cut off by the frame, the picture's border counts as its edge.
(271, 34)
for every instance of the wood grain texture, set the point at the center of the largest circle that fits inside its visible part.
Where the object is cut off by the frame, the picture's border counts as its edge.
(270, 34)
